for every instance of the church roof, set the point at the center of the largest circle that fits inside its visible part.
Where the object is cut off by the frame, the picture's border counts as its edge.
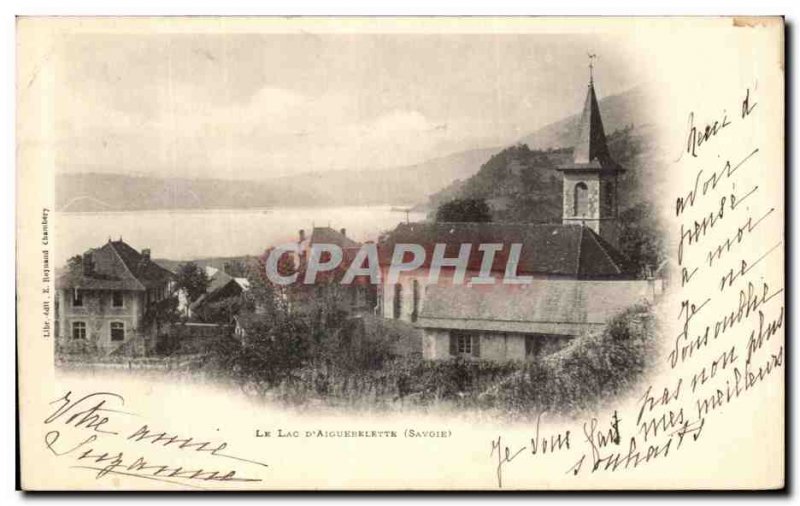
(571, 250)
(590, 151)
(546, 306)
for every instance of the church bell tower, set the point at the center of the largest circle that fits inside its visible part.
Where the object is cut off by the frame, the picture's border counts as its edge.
(590, 179)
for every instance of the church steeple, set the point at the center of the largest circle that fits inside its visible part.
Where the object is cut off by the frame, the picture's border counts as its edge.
(590, 179)
(590, 144)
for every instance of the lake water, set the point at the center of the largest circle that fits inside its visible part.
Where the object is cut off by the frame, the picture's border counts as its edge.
(188, 234)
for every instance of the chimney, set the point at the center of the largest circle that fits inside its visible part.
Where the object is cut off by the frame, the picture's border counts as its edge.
(226, 268)
(302, 235)
(343, 231)
(146, 254)
(88, 263)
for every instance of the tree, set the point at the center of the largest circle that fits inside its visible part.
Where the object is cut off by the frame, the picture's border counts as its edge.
(263, 296)
(464, 210)
(235, 268)
(275, 346)
(192, 279)
(75, 268)
(641, 236)
(75, 264)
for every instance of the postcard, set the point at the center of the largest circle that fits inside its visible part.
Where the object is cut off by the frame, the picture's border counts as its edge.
(478, 253)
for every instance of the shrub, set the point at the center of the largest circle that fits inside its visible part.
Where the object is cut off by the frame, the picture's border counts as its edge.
(354, 367)
(592, 368)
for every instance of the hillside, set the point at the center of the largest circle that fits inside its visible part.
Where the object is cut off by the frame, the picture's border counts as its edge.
(522, 185)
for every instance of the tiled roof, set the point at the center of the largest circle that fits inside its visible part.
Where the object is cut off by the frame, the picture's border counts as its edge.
(572, 251)
(544, 306)
(327, 235)
(117, 266)
(147, 272)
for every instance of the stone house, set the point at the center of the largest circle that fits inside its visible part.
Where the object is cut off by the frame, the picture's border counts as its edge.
(102, 302)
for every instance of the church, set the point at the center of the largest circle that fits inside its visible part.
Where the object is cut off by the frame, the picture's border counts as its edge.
(578, 277)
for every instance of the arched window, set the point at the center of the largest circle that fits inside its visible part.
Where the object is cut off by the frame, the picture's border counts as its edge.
(581, 199)
(398, 300)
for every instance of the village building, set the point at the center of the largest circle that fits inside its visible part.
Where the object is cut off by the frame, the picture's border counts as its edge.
(577, 278)
(357, 298)
(223, 298)
(326, 293)
(105, 300)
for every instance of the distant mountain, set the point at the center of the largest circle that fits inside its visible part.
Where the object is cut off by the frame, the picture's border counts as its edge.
(92, 192)
(87, 192)
(618, 112)
(406, 185)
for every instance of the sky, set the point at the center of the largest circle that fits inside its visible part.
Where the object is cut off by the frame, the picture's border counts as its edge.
(256, 106)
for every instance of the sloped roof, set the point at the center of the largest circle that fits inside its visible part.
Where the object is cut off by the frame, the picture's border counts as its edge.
(555, 306)
(590, 151)
(146, 271)
(327, 235)
(217, 280)
(117, 266)
(572, 250)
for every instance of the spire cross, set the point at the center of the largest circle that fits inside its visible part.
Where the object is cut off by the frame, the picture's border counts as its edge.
(592, 58)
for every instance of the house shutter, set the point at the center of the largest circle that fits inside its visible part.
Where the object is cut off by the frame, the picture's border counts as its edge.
(476, 346)
(453, 345)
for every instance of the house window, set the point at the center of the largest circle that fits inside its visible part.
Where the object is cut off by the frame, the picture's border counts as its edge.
(78, 330)
(117, 331)
(465, 344)
(77, 298)
(398, 300)
(116, 299)
(581, 199)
